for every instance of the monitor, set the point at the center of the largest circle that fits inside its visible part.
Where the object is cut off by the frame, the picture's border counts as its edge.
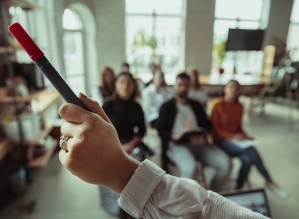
(255, 200)
(244, 40)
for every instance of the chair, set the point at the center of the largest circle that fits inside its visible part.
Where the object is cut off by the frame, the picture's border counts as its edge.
(167, 164)
(292, 95)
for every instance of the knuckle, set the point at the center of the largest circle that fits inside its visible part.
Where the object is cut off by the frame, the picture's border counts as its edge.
(70, 163)
(63, 109)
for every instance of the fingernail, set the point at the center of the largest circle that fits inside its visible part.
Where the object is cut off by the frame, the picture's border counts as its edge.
(83, 95)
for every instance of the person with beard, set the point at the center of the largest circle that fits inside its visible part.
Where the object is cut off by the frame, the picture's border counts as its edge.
(178, 116)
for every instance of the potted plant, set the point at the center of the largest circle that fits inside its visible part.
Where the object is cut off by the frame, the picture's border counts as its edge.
(142, 41)
(219, 49)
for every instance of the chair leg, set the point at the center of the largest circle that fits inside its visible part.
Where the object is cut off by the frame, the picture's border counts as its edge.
(248, 183)
(201, 171)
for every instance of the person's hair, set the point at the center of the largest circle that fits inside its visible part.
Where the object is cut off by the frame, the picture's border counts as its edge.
(164, 82)
(103, 84)
(194, 70)
(126, 64)
(183, 75)
(130, 76)
(232, 81)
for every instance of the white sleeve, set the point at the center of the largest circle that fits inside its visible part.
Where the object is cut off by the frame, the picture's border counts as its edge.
(97, 95)
(151, 193)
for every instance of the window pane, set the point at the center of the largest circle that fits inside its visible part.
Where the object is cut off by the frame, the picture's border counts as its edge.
(149, 6)
(221, 28)
(76, 83)
(295, 12)
(140, 6)
(293, 41)
(168, 7)
(138, 33)
(71, 21)
(249, 25)
(249, 9)
(226, 9)
(232, 9)
(73, 53)
(168, 33)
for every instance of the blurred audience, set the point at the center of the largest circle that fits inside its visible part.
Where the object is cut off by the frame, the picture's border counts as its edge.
(228, 133)
(196, 92)
(125, 67)
(106, 88)
(180, 115)
(153, 68)
(153, 96)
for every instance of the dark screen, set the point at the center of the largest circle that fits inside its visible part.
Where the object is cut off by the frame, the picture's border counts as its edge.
(246, 40)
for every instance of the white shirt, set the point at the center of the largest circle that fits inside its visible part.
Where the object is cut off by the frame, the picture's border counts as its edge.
(153, 194)
(153, 99)
(198, 95)
(97, 95)
(184, 119)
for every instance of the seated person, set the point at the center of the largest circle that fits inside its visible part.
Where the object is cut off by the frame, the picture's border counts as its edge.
(153, 96)
(127, 117)
(180, 115)
(106, 88)
(228, 133)
(196, 92)
(125, 67)
(153, 67)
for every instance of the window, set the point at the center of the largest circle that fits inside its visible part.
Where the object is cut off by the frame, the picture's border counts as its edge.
(73, 51)
(293, 35)
(246, 14)
(153, 34)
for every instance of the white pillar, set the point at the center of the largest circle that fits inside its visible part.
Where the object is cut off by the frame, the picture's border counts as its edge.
(199, 34)
(110, 18)
(279, 20)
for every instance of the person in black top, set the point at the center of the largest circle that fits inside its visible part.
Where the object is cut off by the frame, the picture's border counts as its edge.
(125, 114)
(127, 117)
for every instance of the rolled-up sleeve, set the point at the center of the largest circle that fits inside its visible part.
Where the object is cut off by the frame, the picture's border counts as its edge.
(153, 194)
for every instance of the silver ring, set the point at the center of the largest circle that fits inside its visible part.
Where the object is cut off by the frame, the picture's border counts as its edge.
(63, 141)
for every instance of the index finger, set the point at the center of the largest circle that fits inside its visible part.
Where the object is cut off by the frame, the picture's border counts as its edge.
(73, 113)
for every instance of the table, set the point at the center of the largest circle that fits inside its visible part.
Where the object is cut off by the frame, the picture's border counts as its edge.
(244, 80)
(254, 83)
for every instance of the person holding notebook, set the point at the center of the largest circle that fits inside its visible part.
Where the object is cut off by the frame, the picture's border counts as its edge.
(229, 135)
(181, 117)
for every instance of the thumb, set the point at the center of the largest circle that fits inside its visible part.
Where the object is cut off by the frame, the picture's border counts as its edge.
(93, 106)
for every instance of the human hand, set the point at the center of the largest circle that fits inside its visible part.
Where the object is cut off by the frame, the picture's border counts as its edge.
(94, 153)
(239, 136)
(196, 139)
(128, 148)
(176, 137)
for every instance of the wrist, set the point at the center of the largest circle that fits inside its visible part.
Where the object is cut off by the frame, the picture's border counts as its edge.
(125, 171)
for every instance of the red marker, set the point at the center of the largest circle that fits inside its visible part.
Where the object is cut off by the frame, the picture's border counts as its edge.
(43, 63)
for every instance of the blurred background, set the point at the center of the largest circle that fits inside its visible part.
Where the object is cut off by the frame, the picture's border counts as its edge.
(80, 37)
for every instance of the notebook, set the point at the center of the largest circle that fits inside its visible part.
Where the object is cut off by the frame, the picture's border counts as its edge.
(255, 200)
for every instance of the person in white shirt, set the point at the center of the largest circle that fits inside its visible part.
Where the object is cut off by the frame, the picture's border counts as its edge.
(196, 92)
(154, 96)
(106, 88)
(91, 151)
